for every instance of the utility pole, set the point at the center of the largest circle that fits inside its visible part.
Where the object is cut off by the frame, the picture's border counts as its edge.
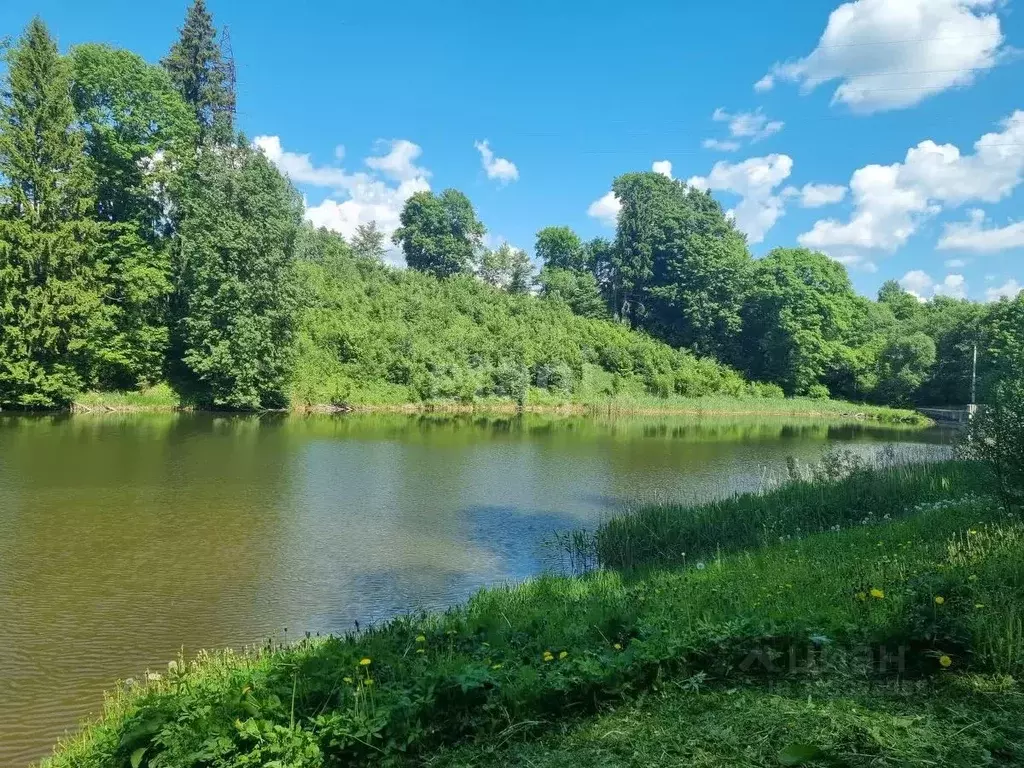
(974, 383)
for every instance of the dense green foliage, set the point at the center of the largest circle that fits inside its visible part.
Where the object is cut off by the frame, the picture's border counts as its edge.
(142, 241)
(934, 592)
(139, 239)
(681, 271)
(235, 296)
(369, 333)
(50, 266)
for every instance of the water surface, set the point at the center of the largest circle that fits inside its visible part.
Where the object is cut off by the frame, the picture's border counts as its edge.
(124, 539)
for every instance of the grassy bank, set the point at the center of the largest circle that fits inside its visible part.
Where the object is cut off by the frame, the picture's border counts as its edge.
(162, 397)
(935, 590)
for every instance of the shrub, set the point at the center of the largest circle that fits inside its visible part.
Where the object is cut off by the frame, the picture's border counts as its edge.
(996, 437)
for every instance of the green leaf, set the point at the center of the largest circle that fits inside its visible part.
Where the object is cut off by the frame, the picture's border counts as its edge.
(799, 754)
(137, 756)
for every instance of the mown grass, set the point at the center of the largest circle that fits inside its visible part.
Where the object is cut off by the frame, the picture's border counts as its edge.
(523, 659)
(950, 721)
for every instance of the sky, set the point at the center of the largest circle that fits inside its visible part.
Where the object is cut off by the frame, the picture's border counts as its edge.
(888, 134)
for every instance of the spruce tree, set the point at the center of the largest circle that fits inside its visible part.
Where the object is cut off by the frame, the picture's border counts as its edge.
(50, 281)
(235, 300)
(202, 74)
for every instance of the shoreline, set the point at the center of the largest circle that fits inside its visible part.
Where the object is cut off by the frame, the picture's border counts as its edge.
(719, 408)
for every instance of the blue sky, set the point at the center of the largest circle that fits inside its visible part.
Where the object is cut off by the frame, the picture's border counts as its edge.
(877, 104)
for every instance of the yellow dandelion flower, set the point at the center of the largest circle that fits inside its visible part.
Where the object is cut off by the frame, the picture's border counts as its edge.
(972, 532)
(365, 662)
(878, 594)
(421, 639)
(496, 666)
(347, 680)
(939, 600)
(979, 606)
(563, 654)
(945, 661)
(862, 596)
(548, 656)
(420, 650)
(368, 681)
(617, 646)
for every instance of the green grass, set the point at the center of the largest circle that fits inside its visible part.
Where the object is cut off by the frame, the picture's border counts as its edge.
(671, 534)
(159, 397)
(525, 659)
(952, 721)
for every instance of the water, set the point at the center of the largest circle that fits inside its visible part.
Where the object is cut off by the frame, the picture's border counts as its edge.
(124, 539)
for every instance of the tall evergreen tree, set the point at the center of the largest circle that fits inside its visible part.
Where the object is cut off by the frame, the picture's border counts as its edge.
(235, 299)
(203, 75)
(49, 278)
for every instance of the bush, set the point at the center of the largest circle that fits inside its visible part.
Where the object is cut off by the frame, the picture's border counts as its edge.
(996, 437)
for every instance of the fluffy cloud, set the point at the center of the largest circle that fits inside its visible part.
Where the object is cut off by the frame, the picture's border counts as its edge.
(605, 209)
(664, 167)
(766, 83)
(504, 171)
(817, 195)
(400, 161)
(1009, 290)
(973, 236)
(755, 181)
(751, 126)
(890, 201)
(360, 197)
(921, 285)
(890, 54)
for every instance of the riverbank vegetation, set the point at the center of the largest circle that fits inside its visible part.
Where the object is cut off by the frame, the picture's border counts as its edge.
(843, 600)
(144, 242)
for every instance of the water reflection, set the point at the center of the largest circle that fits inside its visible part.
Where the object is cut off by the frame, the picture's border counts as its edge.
(124, 538)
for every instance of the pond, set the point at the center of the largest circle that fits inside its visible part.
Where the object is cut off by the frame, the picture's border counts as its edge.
(125, 539)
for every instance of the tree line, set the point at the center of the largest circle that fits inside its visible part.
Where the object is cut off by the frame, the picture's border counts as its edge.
(143, 239)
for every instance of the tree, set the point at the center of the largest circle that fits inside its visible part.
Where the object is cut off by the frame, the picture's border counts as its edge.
(904, 305)
(137, 130)
(996, 437)
(577, 289)
(506, 267)
(561, 248)
(368, 242)
(682, 266)
(202, 75)
(235, 300)
(797, 319)
(903, 366)
(49, 279)
(440, 234)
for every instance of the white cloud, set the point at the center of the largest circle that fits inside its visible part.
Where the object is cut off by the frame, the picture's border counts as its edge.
(499, 168)
(754, 180)
(606, 209)
(766, 83)
(956, 263)
(748, 125)
(820, 195)
(664, 167)
(973, 236)
(920, 284)
(360, 197)
(890, 201)
(892, 54)
(399, 162)
(722, 145)
(1009, 289)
